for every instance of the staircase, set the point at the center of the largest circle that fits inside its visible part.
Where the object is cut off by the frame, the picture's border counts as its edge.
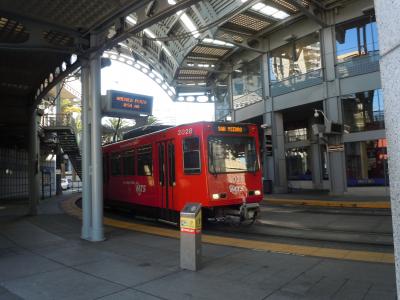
(60, 128)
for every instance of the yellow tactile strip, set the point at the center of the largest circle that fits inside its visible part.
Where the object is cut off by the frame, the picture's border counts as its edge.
(366, 256)
(326, 203)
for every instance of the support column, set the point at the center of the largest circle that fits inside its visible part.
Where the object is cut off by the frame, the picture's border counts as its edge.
(34, 178)
(97, 161)
(387, 13)
(336, 160)
(333, 110)
(316, 161)
(278, 142)
(59, 156)
(230, 98)
(268, 161)
(86, 157)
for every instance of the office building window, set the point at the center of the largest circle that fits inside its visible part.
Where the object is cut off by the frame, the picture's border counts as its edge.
(367, 163)
(363, 111)
(298, 57)
(356, 38)
(247, 78)
(298, 163)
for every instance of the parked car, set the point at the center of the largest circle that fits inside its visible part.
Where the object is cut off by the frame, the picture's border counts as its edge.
(64, 183)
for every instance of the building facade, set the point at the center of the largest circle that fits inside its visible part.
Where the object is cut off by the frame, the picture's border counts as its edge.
(307, 75)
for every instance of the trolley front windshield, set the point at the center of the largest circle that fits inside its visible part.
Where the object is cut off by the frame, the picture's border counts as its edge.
(231, 154)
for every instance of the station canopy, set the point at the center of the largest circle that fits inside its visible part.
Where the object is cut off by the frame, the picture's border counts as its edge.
(183, 45)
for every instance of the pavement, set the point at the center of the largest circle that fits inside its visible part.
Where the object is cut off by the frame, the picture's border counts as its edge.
(320, 199)
(43, 257)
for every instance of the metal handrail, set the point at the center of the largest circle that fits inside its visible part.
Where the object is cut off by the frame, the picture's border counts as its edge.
(51, 120)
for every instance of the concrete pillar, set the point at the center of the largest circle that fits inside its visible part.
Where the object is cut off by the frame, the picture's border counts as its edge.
(333, 109)
(86, 157)
(268, 161)
(336, 160)
(387, 13)
(278, 143)
(316, 161)
(59, 156)
(34, 154)
(97, 161)
(230, 98)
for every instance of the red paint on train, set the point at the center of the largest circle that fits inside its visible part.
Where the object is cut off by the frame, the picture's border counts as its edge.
(216, 164)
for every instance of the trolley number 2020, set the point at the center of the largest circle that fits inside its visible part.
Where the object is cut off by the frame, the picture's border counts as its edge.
(185, 131)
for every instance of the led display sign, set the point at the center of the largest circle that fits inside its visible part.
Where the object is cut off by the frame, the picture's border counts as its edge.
(224, 128)
(132, 102)
(127, 105)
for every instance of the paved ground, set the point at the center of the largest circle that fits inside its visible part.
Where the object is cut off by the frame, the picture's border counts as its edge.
(368, 196)
(43, 257)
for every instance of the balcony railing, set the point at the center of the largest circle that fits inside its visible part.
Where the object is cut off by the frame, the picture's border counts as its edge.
(297, 82)
(53, 120)
(249, 98)
(359, 65)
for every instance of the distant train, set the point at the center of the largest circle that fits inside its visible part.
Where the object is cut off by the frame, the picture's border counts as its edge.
(215, 164)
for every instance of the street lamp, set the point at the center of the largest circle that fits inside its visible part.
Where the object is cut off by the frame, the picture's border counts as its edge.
(316, 114)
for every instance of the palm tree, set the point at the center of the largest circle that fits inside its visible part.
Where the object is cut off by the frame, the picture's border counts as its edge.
(113, 129)
(152, 120)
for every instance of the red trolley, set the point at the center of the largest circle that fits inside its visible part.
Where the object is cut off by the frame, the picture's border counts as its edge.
(215, 164)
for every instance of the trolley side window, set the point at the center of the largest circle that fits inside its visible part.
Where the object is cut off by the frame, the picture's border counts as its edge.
(106, 173)
(144, 161)
(115, 164)
(191, 155)
(128, 162)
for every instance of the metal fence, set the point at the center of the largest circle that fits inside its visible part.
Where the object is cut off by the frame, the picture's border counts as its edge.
(297, 82)
(247, 99)
(53, 120)
(14, 183)
(359, 65)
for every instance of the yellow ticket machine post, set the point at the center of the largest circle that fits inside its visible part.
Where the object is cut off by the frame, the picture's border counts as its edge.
(190, 224)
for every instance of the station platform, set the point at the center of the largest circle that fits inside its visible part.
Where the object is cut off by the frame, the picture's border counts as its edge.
(43, 257)
(365, 199)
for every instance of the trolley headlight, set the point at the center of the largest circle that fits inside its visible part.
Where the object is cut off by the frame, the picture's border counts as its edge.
(257, 192)
(215, 196)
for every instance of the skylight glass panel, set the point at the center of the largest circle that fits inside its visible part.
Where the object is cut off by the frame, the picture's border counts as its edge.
(280, 15)
(217, 42)
(258, 6)
(269, 10)
(189, 25)
(131, 20)
(149, 33)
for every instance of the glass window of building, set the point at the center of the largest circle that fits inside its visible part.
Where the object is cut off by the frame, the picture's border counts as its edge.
(296, 131)
(356, 37)
(298, 57)
(296, 135)
(363, 111)
(247, 78)
(367, 163)
(222, 101)
(298, 163)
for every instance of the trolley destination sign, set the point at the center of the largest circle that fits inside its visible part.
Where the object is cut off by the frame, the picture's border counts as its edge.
(222, 128)
(128, 105)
